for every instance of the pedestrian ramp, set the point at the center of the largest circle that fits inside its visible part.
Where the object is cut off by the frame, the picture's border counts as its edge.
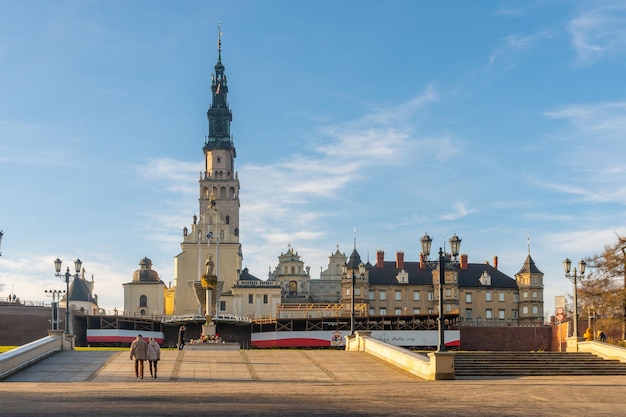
(293, 365)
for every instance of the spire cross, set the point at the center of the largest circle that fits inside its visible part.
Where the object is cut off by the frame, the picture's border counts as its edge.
(219, 41)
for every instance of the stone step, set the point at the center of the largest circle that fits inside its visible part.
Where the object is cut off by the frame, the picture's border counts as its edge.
(503, 364)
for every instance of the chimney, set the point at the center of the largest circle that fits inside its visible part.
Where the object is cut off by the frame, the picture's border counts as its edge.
(463, 262)
(400, 260)
(380, 259)
(495, 262)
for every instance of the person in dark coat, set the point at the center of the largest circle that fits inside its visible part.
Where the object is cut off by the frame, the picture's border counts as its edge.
(181, 337)
(139, 352)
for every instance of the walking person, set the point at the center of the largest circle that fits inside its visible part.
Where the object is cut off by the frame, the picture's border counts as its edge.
(154, 356)
(181, 337)
(139, 352)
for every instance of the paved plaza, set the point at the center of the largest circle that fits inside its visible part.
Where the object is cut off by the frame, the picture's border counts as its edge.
(287, 383)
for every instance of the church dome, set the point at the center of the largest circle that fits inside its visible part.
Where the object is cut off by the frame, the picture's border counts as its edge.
(145, 272)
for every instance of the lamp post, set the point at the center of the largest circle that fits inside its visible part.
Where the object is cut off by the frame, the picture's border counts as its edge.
(441, 263)
(567, 264)
(56, 298)
(344, 270)
(57, 266)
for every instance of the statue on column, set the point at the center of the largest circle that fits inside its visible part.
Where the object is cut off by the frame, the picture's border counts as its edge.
(209, 266)
(209, 280)
(209, 283)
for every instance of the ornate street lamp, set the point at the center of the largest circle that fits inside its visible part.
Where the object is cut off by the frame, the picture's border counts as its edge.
(57, 266)
(567, 264)
(441, 263)
(344, 270)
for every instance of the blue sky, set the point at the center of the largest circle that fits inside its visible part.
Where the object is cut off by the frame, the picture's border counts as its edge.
(494, 120)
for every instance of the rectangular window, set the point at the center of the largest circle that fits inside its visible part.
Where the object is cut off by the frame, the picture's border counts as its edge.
(516, 298)
(488, 296)
(398, 311)
(265, 299)
(431, 311)
(501, 314)
(371, 311)
(371, 296)
(448, 308)
(250, 298)
(398, 295)
(222, 305)
(525, 294)
(515, 315)
(468, 313)
(382, 295)
(431, 296)
(348, 291)
(416, 311)
(488, 314)
(357, 291)
(534, 294)
(525, 310)
(501, 296)
(416, 295)
(468, 297)
(383, 311)
(535, 310)
(448, 292)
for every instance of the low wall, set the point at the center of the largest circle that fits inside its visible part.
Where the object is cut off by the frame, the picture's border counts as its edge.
(504, 338)
(603, 350)
(25, 355)
(435, 366)
(23, 324)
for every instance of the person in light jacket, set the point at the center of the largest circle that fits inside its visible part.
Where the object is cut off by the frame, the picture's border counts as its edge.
(139, 352)
(154, 356)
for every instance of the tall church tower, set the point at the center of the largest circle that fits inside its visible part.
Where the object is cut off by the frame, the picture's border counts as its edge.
(215, 232)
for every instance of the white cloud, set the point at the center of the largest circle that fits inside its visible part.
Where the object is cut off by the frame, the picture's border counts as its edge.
(459, 212)
(599, 121)
(512, 46)
(590, 146)
(599, 33)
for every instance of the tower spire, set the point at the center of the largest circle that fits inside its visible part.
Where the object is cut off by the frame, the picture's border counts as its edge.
(219, 41)
(219, 115)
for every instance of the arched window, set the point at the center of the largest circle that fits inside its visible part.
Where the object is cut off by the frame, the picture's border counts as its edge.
(232, 192)
(205, 192)
(223, 192)
(143, 301)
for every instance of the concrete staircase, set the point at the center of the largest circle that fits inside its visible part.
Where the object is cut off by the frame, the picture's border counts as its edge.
(514, 364)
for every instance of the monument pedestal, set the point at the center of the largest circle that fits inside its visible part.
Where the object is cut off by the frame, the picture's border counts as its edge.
(208, 329)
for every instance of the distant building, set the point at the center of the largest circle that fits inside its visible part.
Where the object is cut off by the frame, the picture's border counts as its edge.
(145, 294)
(476, 292)
(81, 295)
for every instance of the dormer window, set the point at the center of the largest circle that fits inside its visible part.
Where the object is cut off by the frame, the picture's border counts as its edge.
(485, 279)
(403, 277)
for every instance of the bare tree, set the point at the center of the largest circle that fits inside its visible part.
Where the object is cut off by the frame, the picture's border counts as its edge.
(610, 266)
